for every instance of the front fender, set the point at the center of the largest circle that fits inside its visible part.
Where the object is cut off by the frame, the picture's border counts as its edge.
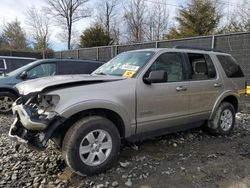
(220, 99)
(129, 122)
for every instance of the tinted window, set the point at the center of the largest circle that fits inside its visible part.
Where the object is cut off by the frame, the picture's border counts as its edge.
(202, 67)
(71, 67)
(231, 68)
(13, 64)
(42, 70)
(170, 63)
(16, 63)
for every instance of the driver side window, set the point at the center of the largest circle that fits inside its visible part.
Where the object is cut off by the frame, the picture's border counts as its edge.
(171, 63)
(42, 70)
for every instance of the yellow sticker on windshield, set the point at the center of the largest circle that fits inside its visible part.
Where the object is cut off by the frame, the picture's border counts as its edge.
(128, 74)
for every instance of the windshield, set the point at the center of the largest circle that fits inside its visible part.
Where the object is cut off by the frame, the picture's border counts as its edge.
(21, 69)
(126, 64)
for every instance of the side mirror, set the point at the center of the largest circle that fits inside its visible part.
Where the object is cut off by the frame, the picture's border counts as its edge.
(23, 75)
(159, 76)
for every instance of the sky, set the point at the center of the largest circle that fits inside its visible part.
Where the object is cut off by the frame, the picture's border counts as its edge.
(15, 9)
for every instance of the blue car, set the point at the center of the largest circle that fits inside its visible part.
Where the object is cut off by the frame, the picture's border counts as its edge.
(38, 69)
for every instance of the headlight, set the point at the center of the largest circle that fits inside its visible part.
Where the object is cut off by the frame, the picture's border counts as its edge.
(47, 103)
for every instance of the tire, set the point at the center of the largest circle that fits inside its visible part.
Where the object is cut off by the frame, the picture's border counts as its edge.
(6, 101)
(219, 126)
(80, 135)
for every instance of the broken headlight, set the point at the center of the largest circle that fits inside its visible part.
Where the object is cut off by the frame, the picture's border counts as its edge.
(46, 105)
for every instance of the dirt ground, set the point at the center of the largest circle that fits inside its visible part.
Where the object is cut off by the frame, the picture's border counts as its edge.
(193, 158)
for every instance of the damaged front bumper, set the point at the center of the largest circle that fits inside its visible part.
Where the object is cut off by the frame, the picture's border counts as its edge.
(20, 134)
(25, 115)
(29, 129)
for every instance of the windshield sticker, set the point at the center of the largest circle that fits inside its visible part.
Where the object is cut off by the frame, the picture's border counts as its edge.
(128, 74)
(130, 67)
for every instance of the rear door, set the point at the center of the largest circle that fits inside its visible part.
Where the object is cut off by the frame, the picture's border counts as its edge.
(205, 84)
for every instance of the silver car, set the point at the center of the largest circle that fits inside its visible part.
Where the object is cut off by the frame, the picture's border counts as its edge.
(137, 94)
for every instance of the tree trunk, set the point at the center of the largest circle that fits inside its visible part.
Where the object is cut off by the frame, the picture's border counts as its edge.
(69, 37)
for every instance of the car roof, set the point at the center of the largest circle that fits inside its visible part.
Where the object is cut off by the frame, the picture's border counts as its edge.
(73, 60)
(13, 57)
(156, 50)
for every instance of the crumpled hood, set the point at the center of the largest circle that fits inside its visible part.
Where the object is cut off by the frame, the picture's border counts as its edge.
(51, 82)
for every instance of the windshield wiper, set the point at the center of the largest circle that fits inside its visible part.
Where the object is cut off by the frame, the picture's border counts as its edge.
(100, 73)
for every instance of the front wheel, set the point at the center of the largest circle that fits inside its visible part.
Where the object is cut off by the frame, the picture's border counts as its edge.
(224, 119)
(6, 101)
(91, 145)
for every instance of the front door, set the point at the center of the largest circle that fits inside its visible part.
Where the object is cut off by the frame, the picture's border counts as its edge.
(160, 105)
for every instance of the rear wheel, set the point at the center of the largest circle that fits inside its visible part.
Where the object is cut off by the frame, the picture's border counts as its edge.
(6, 101)
(224, 119)
(91, 145)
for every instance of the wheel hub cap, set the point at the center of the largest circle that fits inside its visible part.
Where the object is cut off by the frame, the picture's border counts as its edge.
(5, 103)
(226, 120)
(95, 147)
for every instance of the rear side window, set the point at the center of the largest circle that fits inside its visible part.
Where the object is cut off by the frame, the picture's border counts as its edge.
(202, 67)
(76, 67)
(230, 66)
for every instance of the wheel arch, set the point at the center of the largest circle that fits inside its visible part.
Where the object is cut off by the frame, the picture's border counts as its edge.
(226, 97)
(10, 90)
(59, 133)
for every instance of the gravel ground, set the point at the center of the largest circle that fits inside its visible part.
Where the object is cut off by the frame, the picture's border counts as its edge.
(187, 159)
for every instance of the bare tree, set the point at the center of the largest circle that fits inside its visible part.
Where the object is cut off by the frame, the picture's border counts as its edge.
(38, 24)
(68, 12)
(244, 14)
(238, 20)
(135, 17)
(106, 17)
(157, 22)
(106, 12)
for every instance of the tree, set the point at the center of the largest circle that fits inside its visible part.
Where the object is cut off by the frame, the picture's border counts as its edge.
(239, 20)
(15, 36)
(198, 18)
(38, 24)
(157, 23)
(94, 36)
(244, 14)
(67, 12)
(106, 18)
(135, 15)
(3, 42)
(232, 27)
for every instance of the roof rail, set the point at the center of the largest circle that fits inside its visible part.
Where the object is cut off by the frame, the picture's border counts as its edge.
(197, 48)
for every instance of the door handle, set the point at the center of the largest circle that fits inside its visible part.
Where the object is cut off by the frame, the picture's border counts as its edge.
(217, 84)
(181, 88)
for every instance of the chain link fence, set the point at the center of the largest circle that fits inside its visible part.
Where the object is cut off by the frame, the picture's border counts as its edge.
(237, 44)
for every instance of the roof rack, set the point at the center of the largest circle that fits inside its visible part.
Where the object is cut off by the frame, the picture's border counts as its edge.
(197, 48)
